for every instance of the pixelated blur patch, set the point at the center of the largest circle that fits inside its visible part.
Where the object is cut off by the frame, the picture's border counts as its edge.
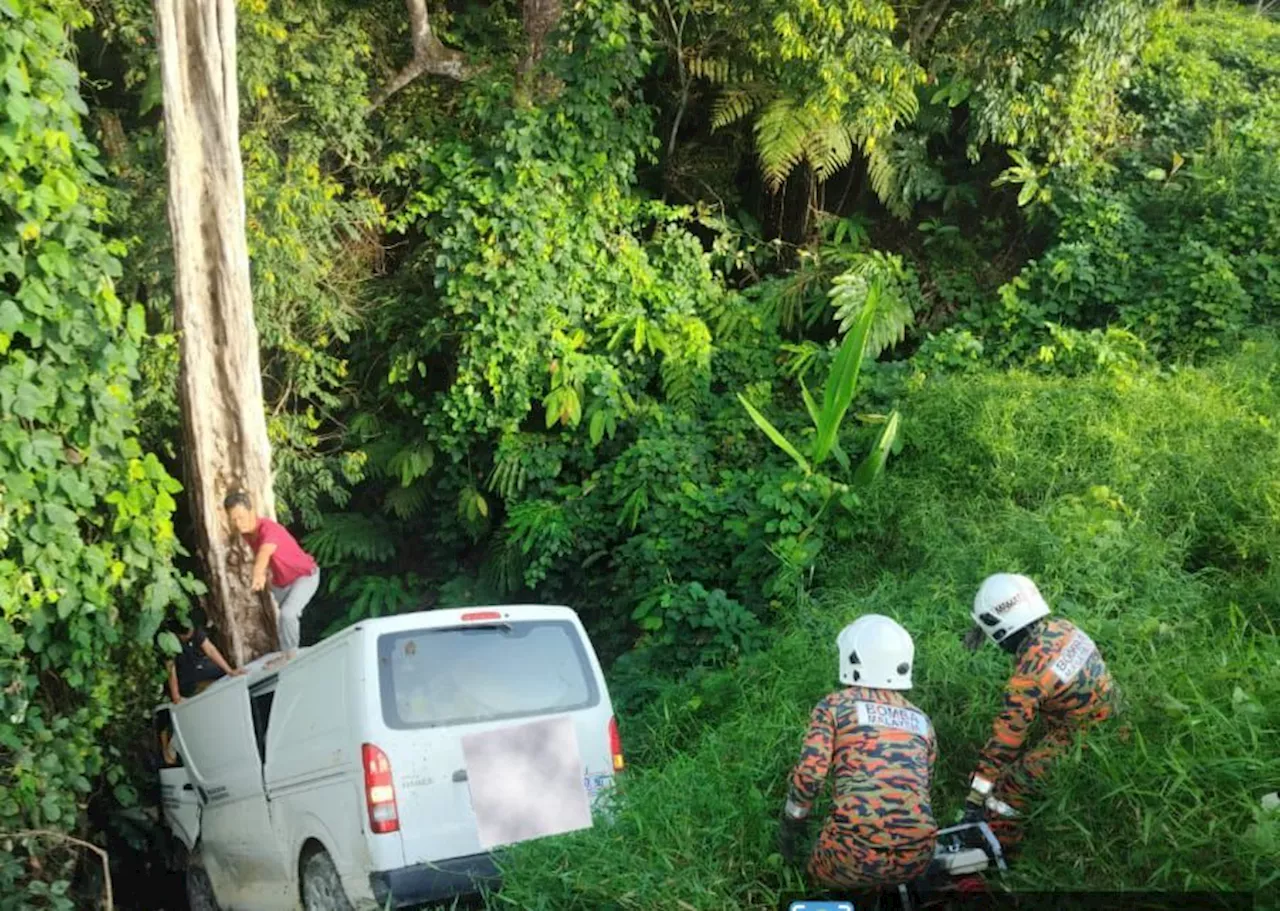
(526, 782)
(820, 906)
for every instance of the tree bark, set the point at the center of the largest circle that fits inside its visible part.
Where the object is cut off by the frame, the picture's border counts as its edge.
(224, 421)
(540, 19)
(430, 55)
(926, 24)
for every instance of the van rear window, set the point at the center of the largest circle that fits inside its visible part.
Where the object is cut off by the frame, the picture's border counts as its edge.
(485, 672)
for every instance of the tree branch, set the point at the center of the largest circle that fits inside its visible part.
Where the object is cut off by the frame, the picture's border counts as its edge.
(677, 32)
(430, 56)
(60, 836)
(924, 28)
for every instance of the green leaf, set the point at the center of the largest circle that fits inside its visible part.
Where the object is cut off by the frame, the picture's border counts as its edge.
(60, 515)
(152, 91)
(137, 323)
(843, 380)
(28, 401)
(1027, 192)
(872, 466)
(810, 405)
(10, 316)
(1155, 174)
(839, 455)
(169, 643)
(772, 433)
(19, 109)
(597, 427)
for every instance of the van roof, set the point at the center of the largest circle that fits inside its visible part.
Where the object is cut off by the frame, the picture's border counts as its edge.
(257, 670)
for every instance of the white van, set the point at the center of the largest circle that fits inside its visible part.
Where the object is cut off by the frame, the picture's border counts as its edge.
(337, 781)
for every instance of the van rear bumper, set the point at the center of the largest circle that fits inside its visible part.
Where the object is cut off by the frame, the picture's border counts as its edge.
(434, 881)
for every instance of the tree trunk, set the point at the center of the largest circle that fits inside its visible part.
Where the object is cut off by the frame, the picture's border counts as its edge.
(224, 420)
(540, 19)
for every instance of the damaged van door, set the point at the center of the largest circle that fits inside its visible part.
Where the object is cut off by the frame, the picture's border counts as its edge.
(236, 846)
(178, 800)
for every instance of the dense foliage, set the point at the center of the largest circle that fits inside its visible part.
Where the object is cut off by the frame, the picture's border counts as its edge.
(86, 536)
(1145, 505)
(1180, 243)
(633, 323)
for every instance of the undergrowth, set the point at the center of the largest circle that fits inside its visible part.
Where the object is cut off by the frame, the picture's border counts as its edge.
(1147, 505)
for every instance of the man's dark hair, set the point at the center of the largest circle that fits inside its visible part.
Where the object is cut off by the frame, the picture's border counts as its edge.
(239, 498)
(177, 627)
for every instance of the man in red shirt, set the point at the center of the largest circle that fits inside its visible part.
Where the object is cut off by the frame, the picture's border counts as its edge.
(295, 577)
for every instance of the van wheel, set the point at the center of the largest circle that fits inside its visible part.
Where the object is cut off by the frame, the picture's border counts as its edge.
(199, 890)
(321, 886)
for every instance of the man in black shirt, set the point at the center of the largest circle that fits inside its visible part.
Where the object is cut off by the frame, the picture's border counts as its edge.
(198, 665)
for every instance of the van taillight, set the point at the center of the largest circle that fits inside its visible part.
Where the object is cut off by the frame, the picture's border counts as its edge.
(379, 791)
(615, 745)
(481, 615)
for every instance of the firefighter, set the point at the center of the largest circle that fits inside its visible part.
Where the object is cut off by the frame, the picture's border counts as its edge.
(1059, 677)
(880, 751)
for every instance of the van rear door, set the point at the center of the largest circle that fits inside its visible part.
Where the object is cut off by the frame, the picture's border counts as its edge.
(439, 684)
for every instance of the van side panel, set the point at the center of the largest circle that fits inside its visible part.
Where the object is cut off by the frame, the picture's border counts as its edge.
(386, 851)
(313, 772)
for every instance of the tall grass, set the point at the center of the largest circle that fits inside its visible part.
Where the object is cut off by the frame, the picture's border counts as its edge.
(1147, 506)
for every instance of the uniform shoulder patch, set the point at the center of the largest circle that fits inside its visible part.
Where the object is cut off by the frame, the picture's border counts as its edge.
(1073, 657)
(879, 715)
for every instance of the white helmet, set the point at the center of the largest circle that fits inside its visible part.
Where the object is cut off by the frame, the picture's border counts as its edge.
(876, 652)
(1006, 603)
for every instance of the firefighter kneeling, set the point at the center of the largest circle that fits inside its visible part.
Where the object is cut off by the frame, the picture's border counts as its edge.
(880, 751)
(1060, 677)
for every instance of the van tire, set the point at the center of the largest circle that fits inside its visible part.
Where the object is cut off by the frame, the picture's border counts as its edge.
(200, 895)
(321, 885)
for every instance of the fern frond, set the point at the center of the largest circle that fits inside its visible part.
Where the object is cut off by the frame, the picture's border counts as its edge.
(881, 171)
(917, 178)
(828, 148)
(801, 359)
(731, 317)
(717, 70)
(411, 462)
(686, 364)
(374, 596)
(407, 502)
(509, 473)
(781, 131)
(904, 102)
(897, 287)
(537, 526)
(379, 452)
(351, 536)
(365, 425)
(732, 105)
(714, 69)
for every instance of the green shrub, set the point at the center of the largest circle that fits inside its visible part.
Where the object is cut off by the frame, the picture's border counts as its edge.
(1147, 507)
(86, 535)
(1180, 245)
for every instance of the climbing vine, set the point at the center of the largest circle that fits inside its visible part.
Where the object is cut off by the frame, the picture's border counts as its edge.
(86, 538)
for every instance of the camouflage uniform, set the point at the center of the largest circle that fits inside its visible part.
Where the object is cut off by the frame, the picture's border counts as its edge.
(882, 750)
(1061, 678)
